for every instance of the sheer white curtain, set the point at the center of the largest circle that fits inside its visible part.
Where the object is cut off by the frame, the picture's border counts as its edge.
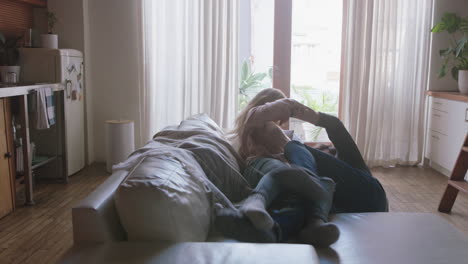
(189, 62)
(385, 70)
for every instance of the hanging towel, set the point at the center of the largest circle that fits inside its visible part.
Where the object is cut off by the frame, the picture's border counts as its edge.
(19, 160)
(49, 95)
(45, 112)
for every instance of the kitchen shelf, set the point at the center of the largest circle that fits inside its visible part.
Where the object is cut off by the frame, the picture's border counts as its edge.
(9, 90)
(42, 163)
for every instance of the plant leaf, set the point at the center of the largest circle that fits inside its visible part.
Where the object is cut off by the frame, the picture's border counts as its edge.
(443, 70)
(445, 52)
(455, 73)
(439, 27)
(258, 77)
(245, 70)
(451, 21)
(463, 64)
(464, 25)
(461, 45)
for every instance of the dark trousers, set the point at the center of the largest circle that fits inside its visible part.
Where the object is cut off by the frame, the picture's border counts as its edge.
(356, 189)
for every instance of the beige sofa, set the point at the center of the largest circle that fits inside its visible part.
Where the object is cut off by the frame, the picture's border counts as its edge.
(100, 237)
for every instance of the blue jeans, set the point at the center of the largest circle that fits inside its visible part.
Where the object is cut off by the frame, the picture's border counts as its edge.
(292, 194)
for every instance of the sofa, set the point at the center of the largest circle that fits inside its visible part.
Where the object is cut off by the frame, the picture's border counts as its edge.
(157, 207)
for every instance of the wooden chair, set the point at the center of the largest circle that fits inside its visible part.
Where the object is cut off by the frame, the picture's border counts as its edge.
(457, 180)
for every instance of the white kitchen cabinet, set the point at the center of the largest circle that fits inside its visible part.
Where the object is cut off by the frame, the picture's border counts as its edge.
(447, 128)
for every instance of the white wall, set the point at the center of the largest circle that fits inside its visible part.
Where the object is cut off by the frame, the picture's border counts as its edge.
(111, 28)
(440, 41)
(71, 30)
(89, 91)
(69, 23)
(107, 32)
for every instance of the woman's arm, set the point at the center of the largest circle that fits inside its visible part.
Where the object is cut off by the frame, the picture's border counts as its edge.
(280, 110)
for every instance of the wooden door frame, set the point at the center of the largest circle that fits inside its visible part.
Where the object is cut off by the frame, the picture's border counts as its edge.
(282, 46)
(344, 24)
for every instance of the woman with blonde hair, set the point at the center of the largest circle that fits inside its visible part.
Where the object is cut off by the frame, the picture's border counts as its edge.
(278, 165)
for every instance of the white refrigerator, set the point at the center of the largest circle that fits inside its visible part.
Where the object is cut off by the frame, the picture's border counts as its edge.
(62, 66)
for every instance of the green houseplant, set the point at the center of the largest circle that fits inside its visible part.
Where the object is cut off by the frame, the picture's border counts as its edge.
(455, 57)
(50, 40)
(9, 57)
(51, 21)
(251, 82)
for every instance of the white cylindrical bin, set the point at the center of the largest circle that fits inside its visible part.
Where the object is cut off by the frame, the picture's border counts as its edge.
(120, 141)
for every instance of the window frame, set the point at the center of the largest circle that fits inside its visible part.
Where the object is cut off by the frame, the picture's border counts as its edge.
(282, 37)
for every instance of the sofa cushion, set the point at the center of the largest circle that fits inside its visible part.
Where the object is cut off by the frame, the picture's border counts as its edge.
(165, 198)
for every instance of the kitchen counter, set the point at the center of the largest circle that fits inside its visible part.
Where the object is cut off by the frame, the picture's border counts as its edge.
(6, 90)
(457, 96)
(21, 90)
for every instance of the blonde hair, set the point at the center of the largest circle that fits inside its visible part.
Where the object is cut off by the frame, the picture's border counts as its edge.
(247, 148)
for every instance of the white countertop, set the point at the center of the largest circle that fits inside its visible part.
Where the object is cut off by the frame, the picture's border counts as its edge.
(25, 89)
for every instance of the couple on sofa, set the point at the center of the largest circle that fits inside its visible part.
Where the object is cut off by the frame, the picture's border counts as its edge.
(295, 187)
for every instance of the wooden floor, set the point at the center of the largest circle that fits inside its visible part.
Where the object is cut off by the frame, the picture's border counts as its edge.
(42, 233)
(420, 190)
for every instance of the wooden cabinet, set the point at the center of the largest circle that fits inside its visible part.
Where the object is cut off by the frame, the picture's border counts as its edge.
(448, 125)
(7, 187)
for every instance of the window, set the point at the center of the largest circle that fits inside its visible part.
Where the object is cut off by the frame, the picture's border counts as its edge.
(312, 76)
(315, 60)
(256, 48)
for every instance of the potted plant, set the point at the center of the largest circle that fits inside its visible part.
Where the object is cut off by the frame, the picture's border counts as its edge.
(456, 55)
(50, 40)
(9, 56)
(252, 82)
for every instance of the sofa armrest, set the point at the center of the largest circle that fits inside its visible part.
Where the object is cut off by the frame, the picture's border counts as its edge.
(95, 218)
(191, 252)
